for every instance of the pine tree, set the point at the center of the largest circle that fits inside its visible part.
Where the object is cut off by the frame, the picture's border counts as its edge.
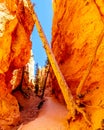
(37, 79)
(47, 67)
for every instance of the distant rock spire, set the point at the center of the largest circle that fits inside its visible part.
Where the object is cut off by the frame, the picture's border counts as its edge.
(30, 68)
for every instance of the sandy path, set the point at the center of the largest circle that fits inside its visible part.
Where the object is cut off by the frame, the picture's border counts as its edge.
(51, 117)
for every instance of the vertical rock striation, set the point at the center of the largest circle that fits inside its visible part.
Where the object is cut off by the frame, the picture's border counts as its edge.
(16, 25)
(78, 45)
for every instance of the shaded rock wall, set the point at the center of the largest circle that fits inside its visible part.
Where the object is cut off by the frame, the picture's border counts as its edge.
(76, 41)
(16, 25)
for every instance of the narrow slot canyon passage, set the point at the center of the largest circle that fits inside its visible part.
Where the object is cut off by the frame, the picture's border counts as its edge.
(51, 65)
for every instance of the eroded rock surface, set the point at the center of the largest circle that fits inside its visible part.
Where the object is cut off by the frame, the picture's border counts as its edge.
(77, 42)
(16, 25)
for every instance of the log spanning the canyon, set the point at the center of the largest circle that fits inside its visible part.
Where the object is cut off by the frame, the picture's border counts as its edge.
(71, 105)
(62, 83)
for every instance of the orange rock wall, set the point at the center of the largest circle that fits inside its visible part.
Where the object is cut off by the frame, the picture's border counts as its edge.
(15, 48)
(76, 30)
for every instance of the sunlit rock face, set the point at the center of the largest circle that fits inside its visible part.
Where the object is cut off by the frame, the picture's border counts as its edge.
(16, 25)
(30, 68)
(77, 27)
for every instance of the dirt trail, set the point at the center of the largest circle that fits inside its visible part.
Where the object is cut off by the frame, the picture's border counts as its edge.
(52, 116)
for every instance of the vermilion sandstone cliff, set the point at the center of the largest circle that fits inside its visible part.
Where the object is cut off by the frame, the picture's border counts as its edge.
(78, 45)
(16, 25)
(77, 42)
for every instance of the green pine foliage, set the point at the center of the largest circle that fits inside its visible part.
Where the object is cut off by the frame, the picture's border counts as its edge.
(41, 76)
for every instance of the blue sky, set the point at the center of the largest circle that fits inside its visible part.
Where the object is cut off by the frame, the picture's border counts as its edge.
(43, 8)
